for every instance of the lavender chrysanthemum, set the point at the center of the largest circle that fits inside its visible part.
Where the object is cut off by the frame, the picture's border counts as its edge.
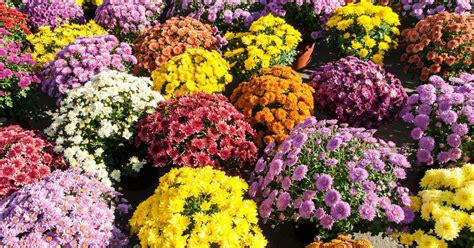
(52, 12)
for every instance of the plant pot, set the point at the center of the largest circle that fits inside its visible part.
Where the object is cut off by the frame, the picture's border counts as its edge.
(305, 50)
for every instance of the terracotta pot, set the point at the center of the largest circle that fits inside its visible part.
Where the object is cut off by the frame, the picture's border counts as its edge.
(303, 58)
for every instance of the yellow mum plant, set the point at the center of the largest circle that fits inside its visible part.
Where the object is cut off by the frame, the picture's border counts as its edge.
(273, 102)
(364, 30)
(47, 41)
(269, 42)
(198, 207)
(446, 210)
(195, 70)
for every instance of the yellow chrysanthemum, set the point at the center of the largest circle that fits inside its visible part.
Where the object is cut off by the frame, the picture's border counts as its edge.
(428, 241)
(47, 42)
(197, 207)
(447, 228)
(196, 70)
(464, 197)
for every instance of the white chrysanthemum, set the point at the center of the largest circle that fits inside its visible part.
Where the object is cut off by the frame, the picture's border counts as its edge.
(95, 125)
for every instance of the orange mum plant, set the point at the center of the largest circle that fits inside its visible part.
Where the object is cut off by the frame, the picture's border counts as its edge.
(273, 102)
(342, 242)
(157, 45)
(441, 44)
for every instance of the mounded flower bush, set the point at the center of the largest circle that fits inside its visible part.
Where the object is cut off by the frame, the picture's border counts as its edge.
(341, 180)
(226, 16)
(342, 241)
(309, 17)
(64, 209)
(364, 30)
(358, 92)
(52, 12)
(94, 127)
(440, 44)
(443, 116)
(126, 19)
(157, 45)
(198, 130)
(198, 207)
(444, 209)
(13, 23)
(273, 102)
(84, 58)
(420, 9)
(269, 42)
(194, 71)
(48, 41)
(25, 158)
(18, 83)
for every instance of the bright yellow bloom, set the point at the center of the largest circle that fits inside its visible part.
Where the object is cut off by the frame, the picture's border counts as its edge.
(270, 41)
(428, 241)
(464, 197)
(371, 28)
(195, 70)
(47, 42)
(196, 207)
(447, 228)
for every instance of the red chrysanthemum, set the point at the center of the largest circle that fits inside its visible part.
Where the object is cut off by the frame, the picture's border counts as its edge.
(25, 157)
(13, 20)
(198, 130)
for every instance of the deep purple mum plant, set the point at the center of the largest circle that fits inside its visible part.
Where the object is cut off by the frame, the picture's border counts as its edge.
(337, 178)
(358, 92)
(64, 209)
(126, 19)
(51, 12)
(85, 57)
(422, 8)
(443, 115)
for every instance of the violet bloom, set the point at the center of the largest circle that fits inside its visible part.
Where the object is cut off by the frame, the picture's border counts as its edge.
(454, 140)
(300, 172)
(324, 182)
(306, 209)
(275, 167)
(265, 208)
(368, 186)
(367, 212)
(341, 210)
(427, 143)
(394, 213)
(331, 162)
(283, 201)
(409, 215)
(358, 175)
(332, 197)
(334, 143)
(327, 221)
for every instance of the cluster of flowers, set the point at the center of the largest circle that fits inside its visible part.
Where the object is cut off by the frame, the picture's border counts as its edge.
(79, 61)
(94, 127)
(309, 17)
(198, 130)
(14, 22)
(47, 41)
(270, 41)
(51, 12)
(358, 92)
(342, 241)
(445, 203)
(335, 177)
(198, 207)
(273, 102)
(25, 157)
(64, 209)
(444, 117)
(440, 44)
(226, 16)
(126, 19)
(364, 30)
(195, 70)
(162, 42)
(422, 8)
(17, 79)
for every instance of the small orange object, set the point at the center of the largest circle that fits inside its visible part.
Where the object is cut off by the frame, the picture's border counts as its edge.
(342, 242)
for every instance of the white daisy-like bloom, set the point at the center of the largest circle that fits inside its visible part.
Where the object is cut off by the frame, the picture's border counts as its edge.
(95, 124)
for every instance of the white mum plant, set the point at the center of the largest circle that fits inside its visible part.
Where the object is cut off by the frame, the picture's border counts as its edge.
(95, 125)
